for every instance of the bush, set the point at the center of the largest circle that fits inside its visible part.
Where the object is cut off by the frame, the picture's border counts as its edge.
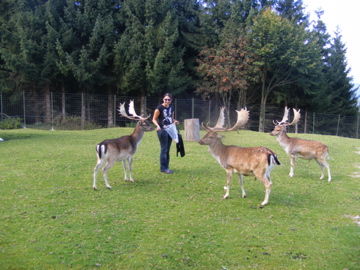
(10, 123)
(73, 123)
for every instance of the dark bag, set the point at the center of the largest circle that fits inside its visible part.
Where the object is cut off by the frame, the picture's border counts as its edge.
(180, 146)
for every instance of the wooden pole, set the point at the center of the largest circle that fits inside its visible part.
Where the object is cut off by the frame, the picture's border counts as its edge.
(357, 125)
(337, 126)
(24, 111)
(192, 108)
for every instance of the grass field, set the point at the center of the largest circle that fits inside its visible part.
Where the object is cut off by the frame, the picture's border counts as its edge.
(50, 218)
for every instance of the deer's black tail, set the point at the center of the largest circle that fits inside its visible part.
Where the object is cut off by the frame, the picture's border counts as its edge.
(101, 149)
(272, 159)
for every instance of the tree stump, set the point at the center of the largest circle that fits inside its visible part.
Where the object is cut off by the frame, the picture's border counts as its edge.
(192, 129)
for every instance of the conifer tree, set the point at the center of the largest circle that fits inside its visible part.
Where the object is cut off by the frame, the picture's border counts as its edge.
(339, 84)
(30, 52)
(320, 98)
(85, 48)
(293, 10)
(151, 53)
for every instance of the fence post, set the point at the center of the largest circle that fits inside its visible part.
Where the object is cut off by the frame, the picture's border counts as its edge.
(357, 125)
(114, 118)
(24, 109)
(209, 111)
(313, 127)
(1, 105)
(337, 126)
(83, 110)
(52, 110)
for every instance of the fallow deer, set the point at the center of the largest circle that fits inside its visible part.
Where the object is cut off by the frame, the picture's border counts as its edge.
(123, 148)
(257, 161)
(295, 147)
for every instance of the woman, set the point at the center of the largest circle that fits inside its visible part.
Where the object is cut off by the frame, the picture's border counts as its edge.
(165, 122)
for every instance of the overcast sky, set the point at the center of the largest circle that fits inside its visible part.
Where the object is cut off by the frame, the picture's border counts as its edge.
(346, 16)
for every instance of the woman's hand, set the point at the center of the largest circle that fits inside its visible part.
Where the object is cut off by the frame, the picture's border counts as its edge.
(176, 122)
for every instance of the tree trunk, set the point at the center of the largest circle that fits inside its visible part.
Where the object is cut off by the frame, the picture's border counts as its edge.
(264, 95)
(110, 108)
(143, 105)
(226, 98)
(262, 116)
(35, 106)
(87, 105)
(192, 129)
(241, 99)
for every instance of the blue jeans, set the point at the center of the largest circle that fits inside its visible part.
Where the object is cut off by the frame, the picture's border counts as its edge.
(165, 143)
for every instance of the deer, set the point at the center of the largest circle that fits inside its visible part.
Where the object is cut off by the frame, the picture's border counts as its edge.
(245, 161)
(123, 148)
(296, 147)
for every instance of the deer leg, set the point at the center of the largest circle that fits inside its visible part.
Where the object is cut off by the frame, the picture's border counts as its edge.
(267, 184)
(107, 166)
(125, 169)
(292, 165)
(328, 171)
(228, 182)
(99, 163)
(130, 169)
(323, 164)
(241, 182)
(322, 170)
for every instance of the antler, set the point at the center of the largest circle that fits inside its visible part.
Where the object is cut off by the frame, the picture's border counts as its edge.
(242, 119)
(134, 115)
(285, 118)
(296, 117)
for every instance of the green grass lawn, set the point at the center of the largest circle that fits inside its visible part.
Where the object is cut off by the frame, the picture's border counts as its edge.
(50, 218)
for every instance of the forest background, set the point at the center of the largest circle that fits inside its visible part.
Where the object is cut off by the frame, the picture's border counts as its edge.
(236, 52)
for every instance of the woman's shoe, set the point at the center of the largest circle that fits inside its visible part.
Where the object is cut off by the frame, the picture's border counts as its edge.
(167, 171)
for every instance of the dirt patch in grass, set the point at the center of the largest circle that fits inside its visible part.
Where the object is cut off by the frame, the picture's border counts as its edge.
(357, 165)
(356, 219)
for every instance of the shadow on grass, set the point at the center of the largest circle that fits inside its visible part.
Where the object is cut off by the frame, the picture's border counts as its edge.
(18, 136)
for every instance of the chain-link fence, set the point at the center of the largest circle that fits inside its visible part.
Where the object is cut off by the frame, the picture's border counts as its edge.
(86, 111)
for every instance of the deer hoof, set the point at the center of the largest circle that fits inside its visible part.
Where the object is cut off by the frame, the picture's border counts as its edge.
(95, 188)
(262, 205)
(108, 187)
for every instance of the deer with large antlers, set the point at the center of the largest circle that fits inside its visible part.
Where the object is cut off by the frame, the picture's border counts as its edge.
(123, 148)
(257, 161)
(295, 147)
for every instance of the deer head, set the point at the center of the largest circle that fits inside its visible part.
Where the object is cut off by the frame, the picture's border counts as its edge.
(280, 126)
